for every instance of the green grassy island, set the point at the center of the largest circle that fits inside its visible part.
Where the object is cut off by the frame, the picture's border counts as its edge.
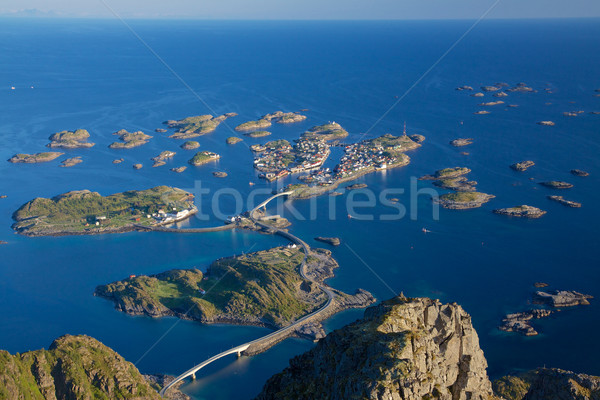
(203, 157)
(464, 200)
(70, 140)
(330, 131)
(35, 158)
(84, 212)
(253, 125)
(196, 126)
(190, 145)
(130, 140)
(262, 288)
(257, 134)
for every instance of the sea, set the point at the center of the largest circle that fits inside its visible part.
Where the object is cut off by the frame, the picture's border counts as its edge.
(371, 77)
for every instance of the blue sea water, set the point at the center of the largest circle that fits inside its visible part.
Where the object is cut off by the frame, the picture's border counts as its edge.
(97, 75)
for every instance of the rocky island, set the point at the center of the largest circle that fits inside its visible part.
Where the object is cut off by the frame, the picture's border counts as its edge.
(129, 140)
(329, 240)
(521, 211)
(69, 162)
(464, 200)
(266, 121)
(461, 142)
(84, 212)
(556, 185)
(159, 160)
(233, 140)
(75, 367)
(257, 134)
(578, 172)
(179, 169)
(190, 145)
(561, 298)
(546, 123)
(521, 322)
(565, 202)
(253, 125)
(35, 158)
(70, 139)
(204, 157)
(387, 355)
(522, 166)
(196, 126)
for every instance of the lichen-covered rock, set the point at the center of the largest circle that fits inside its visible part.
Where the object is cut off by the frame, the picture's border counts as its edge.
(401, 349)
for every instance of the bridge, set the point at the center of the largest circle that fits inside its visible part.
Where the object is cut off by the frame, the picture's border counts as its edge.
(260, 344)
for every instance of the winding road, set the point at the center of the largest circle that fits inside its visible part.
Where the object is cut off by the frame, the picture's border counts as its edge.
(281, 333)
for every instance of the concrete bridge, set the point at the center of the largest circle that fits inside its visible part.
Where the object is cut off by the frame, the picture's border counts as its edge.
(265, 342)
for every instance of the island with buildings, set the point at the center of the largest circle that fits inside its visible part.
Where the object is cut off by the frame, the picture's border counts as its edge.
(83, 212)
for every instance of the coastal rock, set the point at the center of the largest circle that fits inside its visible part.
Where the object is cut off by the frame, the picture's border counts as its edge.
(73, 367)
(490, 88)
(565, 202)
(522, 166)
(482, 112)
(561, 298)
(500, 94)
(179, 169)
(160, 130)
(521, 87)
(557, 184)
(70, 139)
(356, 186)
(521, 211)
(35, 158)
(138, 166)
(69, 162)
(330, 240)
(464, 200)
(118, 161)
(417, 138)
(464, 87)
(521, 322)
(548, 384)
(540, 285)
(233, 140)
(461, 142)
(478, 94)
(546, 123)
(573, 113)
(190, 145)
(159, 160)
(401, 349)
(129, 140)
(578, 172)
(220, 174)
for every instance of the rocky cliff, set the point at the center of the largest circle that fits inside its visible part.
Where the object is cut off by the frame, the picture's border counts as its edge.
(73, 368)
(549, 384)
(401, 349)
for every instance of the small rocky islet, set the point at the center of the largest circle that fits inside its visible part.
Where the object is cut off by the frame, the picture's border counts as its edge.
(329, 240)
(522, 166)
(70, 162)
(190, 145)
(159, 160)
(556, 184)
(199, 125)
(523, 211)
(35, 158)
(70, 139)
(565, 202)
(233, 140)
(464, 200)
(461, 142)
(579, 172)
(129, 140)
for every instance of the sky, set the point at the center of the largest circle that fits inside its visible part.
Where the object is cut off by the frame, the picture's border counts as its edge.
(302, 9)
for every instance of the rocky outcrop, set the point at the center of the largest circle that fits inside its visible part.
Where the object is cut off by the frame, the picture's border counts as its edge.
(401, 349)
(522, 166)
(464, 200)
(578, 172)
(190, 145)
(548, 384)
(330, 240)
(74, 367)
(546, 123)
(461, 142)
(523, 211)
(565, 202)
(129, 140)
(35, 158)
(70, 139)
(521, 322)
(557, 185)
(69, 162)
(562, 298)
(417, 138)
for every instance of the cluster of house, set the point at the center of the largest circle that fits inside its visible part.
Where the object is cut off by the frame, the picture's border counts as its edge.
(360, 156)
(163, 217)
(305, 155)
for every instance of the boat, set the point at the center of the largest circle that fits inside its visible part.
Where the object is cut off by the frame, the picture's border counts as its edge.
(425, 230)
(251, 183)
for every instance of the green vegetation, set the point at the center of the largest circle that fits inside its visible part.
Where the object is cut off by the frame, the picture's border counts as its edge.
(253, 125)
(284, 118)
(257, 134)
(35, 158)
(233, 140)
(196, 126)
(462, 197)
(85, 212)
(74, 367)
(329, 131)
(512, 387)
(130, 140)
(70, 140)
(257, 288)
(203, 157)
